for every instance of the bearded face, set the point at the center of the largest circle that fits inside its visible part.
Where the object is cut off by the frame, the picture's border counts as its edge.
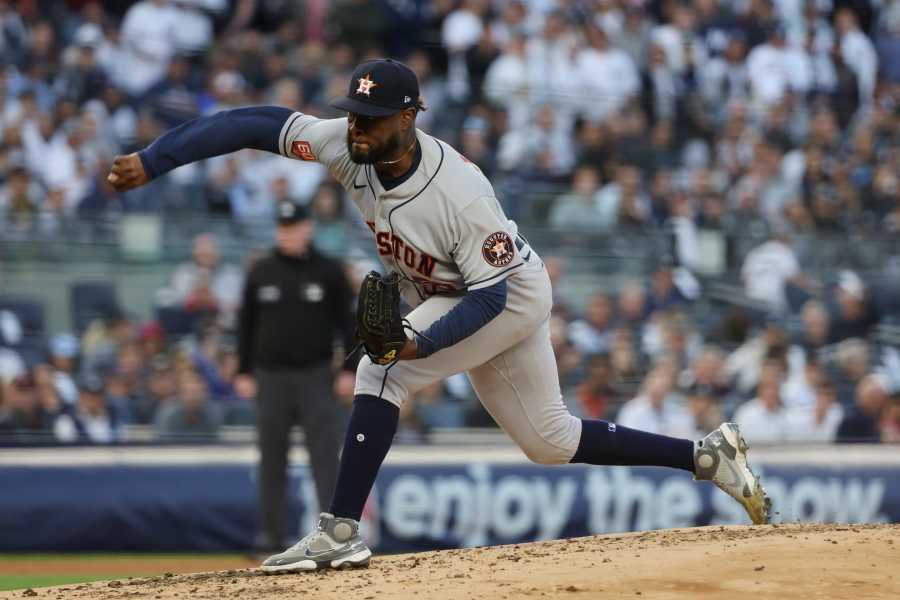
(372, 139)
(371, 152)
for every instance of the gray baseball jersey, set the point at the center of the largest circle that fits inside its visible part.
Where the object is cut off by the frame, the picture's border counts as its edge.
(444, 232)
(442, 229)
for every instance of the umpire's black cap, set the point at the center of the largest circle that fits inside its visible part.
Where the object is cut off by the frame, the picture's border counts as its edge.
(380, 88)
(290, 213)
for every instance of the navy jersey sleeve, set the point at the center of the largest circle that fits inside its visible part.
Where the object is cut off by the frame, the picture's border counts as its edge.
(474, 311)
(257, 127)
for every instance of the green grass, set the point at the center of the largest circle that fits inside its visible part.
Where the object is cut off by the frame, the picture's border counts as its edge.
(94, 556)
(17, 582)
(103, 564)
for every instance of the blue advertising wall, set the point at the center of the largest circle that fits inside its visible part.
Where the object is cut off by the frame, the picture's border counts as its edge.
(415, 507)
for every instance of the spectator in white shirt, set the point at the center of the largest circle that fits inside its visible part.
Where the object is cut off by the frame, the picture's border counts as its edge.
(743, 366)
(116, 118)
(857, 51)
(684, 50)
(463, 27)
(634, 36)
(776, 69)
(819, 422)
(461, 30)
(814, 33)
(247, 207)
(63, 352)
(147, 41)
(725, 79)
(510, 23)
(764, 419)
(507, 83)
(552, 71)
(206, 279)
(577, 210)
(68, 164)
(625, 192)
(814, 24)
(608, 75)
(798, 392)
(545, 145)
(608, 16)
(657, 408)
(767, 270)
(11, 364)
(594, 333)
(303, 179)
(194, 33)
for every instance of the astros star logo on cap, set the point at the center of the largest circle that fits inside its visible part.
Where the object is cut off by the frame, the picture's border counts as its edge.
(365, 85)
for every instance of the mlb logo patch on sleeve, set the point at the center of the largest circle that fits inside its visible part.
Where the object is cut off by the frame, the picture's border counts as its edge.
(302, 150)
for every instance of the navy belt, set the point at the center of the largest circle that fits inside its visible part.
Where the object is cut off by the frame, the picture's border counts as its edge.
(520, 243)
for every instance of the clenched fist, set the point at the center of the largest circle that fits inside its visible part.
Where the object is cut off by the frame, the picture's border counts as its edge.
(127, 172)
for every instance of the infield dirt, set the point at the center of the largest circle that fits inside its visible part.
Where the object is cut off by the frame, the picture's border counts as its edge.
(783, 562)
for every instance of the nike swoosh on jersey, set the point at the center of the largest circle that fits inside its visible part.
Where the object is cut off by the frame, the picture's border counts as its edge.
(358, 187)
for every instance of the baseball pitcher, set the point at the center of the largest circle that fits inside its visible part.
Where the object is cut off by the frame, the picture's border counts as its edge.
(480, 293)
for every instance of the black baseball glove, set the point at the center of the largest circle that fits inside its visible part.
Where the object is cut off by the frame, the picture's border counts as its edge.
(379, 326)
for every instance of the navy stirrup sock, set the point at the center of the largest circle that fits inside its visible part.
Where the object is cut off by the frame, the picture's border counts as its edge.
(604, 443)
(373, 424)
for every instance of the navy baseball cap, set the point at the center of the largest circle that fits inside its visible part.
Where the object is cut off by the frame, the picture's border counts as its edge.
(380, 88)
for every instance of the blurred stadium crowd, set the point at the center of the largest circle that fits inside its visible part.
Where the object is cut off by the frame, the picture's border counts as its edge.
(752, 145)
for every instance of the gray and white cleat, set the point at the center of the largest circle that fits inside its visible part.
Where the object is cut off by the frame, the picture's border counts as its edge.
(721, 457)
(335, 544)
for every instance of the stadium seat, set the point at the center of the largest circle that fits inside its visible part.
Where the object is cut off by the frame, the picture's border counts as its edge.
(176, 321)
(31, 314)
(30, 311)
(90, 300)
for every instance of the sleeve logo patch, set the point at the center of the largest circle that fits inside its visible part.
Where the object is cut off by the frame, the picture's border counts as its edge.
(302, 150)
(498, 249)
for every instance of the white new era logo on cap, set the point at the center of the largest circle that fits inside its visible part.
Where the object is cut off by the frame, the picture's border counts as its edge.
(406, 98)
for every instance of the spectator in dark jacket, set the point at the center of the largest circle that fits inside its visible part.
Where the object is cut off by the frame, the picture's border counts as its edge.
(862, 422)
(91, 420)
(853, 316)
(172, 101)
(85, 79)
(21, 413)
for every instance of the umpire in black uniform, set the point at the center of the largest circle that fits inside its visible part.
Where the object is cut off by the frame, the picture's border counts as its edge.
(296, 304)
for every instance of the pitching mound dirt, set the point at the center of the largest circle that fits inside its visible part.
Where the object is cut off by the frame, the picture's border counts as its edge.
(783, 562)
(127, 564)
